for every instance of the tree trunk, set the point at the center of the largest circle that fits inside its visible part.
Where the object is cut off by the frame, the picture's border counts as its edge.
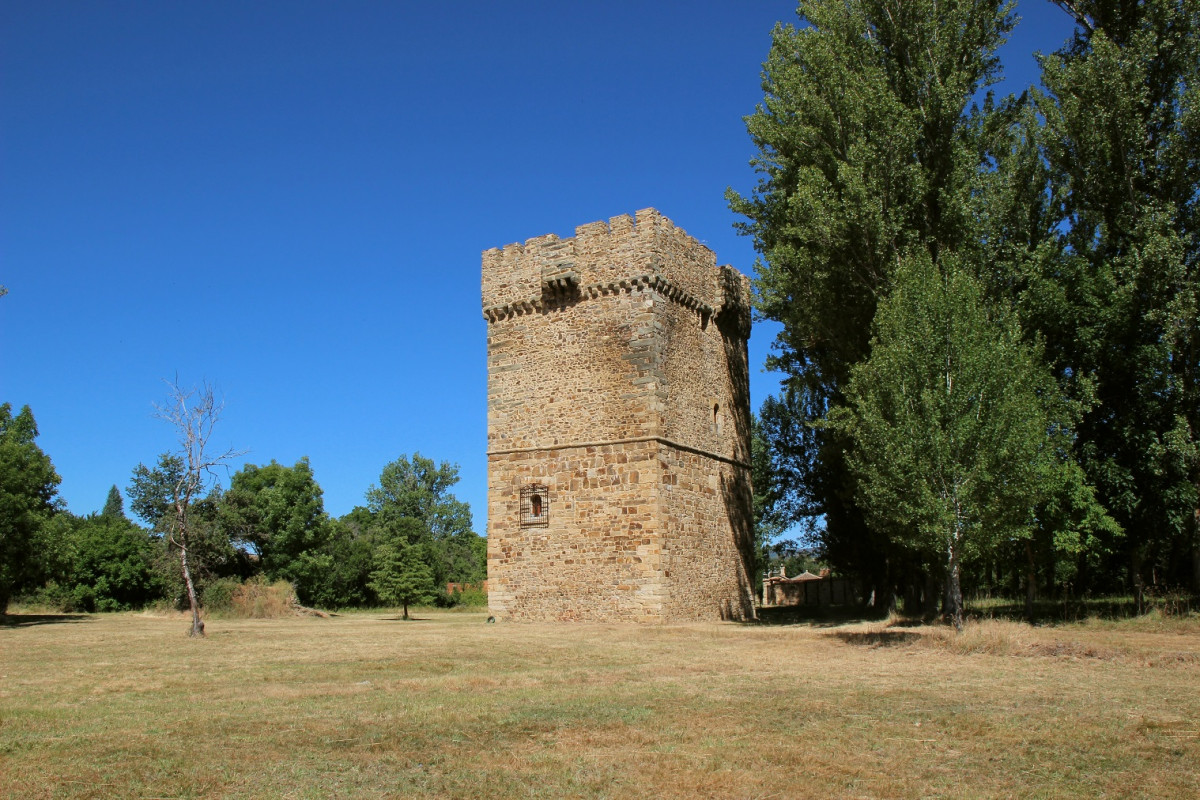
(929, 597)
(406, 610)
(1139, 585)
(1030, 581)
(197, 624)
(1195, 550)
(954, 603)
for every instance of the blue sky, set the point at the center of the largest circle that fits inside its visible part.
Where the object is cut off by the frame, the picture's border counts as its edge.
(289, 200)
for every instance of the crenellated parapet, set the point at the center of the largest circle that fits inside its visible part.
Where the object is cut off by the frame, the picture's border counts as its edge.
(618, 438)
(559, 291)
(625, 254)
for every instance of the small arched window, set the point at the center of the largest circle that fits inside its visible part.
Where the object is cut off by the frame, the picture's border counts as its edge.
(535, 506)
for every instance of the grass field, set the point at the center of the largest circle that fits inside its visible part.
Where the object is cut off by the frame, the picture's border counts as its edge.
(447, 706)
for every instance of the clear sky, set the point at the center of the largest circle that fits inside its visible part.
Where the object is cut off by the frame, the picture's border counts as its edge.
(289, 199)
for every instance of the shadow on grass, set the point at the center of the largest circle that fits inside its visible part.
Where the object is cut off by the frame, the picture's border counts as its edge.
(876, 638)
(29, 620)
(817, 616)
(411, 618)
(1049, 612)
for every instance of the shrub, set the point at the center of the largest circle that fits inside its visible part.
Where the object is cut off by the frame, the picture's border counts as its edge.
(473, 596)
(467, 596)
(217, 597)
(258, 598)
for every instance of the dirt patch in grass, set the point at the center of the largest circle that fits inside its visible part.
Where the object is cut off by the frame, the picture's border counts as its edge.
(358, 705)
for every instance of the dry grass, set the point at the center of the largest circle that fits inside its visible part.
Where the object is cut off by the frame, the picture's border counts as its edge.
(447, 706)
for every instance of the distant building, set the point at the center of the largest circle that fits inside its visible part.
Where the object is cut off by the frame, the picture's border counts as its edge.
(807, 589)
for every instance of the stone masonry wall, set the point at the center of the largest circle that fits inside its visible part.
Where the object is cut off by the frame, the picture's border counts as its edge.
(617, 379)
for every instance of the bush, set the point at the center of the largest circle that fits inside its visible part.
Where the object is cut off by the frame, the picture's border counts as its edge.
(473, 596)
(258, 598)
(468, 596)
(217, 597)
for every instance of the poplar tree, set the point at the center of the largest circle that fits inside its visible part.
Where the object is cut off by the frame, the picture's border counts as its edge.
(868, 152)
(949, 420)
(1119, 303)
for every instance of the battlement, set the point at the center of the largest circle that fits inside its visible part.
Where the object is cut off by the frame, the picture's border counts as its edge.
(618, 427)
(623, 253)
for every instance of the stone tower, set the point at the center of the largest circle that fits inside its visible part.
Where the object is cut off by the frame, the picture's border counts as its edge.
(618, 427)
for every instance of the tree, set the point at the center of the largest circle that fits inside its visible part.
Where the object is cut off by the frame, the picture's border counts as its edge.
(420, 490)
(28, 485)
(108, 564)
(401, 576)
(336, 574)
(114, 506)
(1119, 304)
(867, 155)
(278, 512)
(955, 445)
(169, 493)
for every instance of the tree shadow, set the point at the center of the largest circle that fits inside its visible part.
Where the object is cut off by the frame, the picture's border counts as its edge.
(399, 618)
(818, 616)
(876, 638)
(29, 620)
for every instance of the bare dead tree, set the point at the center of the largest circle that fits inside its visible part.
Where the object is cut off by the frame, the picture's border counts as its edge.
(193, 412)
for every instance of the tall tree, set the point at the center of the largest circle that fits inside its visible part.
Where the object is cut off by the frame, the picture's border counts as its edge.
(211, 553)
(420, 490)
(28, 485)
(867, 154)
(169, 493)
(1120, 305)
(279, 513)
(949, 417)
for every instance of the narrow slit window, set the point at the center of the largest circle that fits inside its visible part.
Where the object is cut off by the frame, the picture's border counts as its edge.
(535, 506)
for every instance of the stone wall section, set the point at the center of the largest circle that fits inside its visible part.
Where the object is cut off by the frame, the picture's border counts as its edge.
(600, 558)
(708, 537)
(617, 379)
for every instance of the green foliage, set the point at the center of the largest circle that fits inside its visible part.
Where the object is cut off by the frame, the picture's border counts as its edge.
(150, 490)
(1074, 208)
(401, 576)
(769, 518)
(468, 597)
(28, 485)
(111, 564)
(955, 445)
(114, 506)
(217, 596)
(866, 154)
(413, 501)
(211, 553)
(1119, 302)
(337, 575)
(277, 513)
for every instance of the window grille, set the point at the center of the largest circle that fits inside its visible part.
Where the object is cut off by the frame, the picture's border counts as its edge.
(535, 506)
